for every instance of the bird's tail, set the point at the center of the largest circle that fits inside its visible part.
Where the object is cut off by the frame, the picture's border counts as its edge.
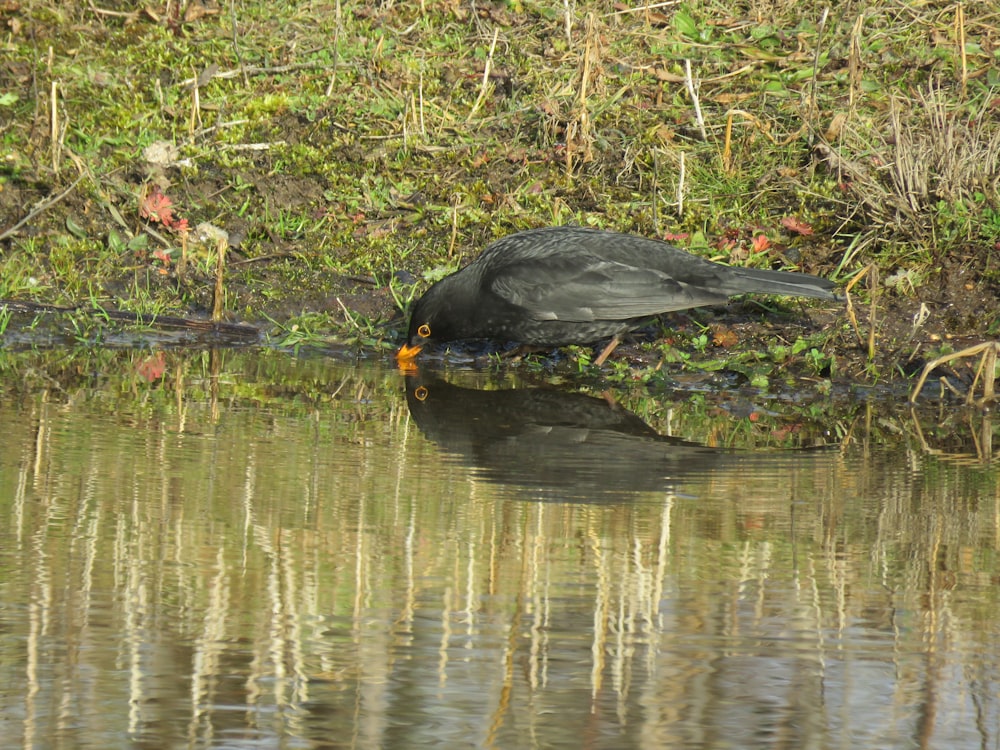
(762, 281)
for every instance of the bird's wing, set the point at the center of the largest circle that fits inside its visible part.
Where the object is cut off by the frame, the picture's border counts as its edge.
(584, 288)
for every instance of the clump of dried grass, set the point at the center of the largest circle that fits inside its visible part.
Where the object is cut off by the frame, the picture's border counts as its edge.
(925, 151)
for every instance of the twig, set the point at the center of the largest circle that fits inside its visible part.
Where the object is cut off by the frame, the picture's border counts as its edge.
(854, 63)
(680, 188)
(236, 42)
(220, 268)
(131, 16)
(693, 92)
(873, 311)
(42, 206)
(986, 370)
(229, 124)
(655, 194)
(761, 127)
(347, 315)
(54, 125)
(182, 264)
(851, 315)
(813, 106)
(486, 76)
(578, 131)
(249, 146)
(336, 51)
(588, 60)
(642, 8)
(454, 226)
(420, 93)
(727, 144)
(152, 320)
(568, 16)
(960, 34)
(255, 70)
(195, 106)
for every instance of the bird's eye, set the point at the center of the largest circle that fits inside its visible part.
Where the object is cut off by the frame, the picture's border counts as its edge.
(424, 331)
(421, 393)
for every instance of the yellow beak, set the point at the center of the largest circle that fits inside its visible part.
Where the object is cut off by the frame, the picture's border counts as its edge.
(407, 354)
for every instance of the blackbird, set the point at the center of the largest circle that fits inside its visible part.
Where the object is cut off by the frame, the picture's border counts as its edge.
(558, 445)
(573, 285)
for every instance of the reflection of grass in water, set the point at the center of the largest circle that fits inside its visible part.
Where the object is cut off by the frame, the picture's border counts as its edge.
(726, 412)
(307, 539)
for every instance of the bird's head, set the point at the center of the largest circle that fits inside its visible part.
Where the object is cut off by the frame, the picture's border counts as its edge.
(431, 319)
(419, 334)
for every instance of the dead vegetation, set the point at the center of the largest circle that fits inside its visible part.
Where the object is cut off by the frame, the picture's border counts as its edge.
(930, 155)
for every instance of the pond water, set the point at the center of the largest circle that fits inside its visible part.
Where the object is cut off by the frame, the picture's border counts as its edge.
(254, 550)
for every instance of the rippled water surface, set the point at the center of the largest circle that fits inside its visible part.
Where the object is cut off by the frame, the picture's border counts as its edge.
(247, 550)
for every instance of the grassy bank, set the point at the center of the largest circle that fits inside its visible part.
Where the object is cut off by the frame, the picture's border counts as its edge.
(348, 153)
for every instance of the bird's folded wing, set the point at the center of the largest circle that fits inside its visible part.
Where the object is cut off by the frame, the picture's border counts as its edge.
(581, 288)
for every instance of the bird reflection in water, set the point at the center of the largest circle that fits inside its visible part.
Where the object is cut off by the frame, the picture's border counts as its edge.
(560, 445)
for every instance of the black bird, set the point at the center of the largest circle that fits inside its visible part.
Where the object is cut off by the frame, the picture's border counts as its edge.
(569, 446)
(560, 445)
(573, 285)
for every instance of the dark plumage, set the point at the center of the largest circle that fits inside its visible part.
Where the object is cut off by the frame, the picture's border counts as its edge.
(572, 285)
(568, 446)
(561, 445)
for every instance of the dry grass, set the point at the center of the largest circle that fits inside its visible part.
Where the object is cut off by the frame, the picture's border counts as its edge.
(928, 150)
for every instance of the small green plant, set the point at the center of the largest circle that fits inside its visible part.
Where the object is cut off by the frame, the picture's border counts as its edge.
(818, 362)
(779, 353)
(582, 355)
(119, 245)
(292, 335)
(700, 342)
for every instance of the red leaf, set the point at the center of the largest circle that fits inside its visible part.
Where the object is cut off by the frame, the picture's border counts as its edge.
(760, 243)
(798, 226)
(724, 337)
(157, 207)
(152, 368)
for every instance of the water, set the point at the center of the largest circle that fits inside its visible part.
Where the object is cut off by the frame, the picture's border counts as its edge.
(253, 550)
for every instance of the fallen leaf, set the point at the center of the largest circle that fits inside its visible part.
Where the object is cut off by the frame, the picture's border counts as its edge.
(724, 337)
(152, 368)
(798, 226)
(662, 74)
(516, 155)
(665, 133)
(196, 10)
(155, 205)
(836, 125)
